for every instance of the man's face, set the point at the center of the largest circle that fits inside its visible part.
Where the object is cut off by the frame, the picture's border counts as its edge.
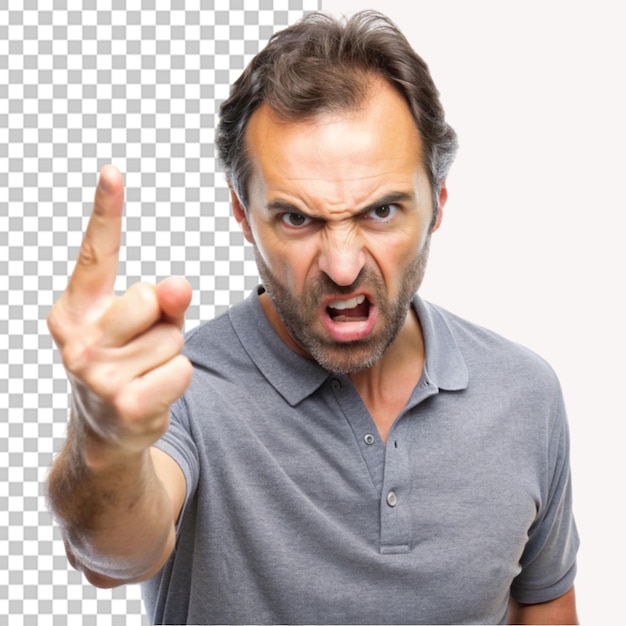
(339, 213)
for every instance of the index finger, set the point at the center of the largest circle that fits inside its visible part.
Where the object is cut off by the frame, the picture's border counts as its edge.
(96, 267)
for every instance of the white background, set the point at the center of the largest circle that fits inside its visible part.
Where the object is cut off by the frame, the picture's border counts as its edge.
(532, 239)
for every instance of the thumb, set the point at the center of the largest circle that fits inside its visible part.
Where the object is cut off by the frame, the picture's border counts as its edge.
(174, 296)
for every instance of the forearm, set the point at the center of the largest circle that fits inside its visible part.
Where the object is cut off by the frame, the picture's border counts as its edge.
(115, 513)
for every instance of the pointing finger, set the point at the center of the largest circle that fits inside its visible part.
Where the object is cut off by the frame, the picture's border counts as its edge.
(96, 266)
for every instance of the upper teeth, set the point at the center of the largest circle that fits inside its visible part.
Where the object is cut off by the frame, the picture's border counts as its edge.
(347, 304)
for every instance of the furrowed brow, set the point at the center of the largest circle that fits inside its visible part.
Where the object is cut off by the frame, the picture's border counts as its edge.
(282, 207)
(395, 197)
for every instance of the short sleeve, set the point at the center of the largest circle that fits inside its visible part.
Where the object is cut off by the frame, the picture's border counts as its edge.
(178, 443)
(549, 559)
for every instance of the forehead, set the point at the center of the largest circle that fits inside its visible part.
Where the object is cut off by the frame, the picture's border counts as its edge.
(338, 158)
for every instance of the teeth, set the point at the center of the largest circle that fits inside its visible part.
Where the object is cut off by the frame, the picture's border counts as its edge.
(347, 304)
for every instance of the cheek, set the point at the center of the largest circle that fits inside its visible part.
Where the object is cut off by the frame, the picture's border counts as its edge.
(394, 252)
(290, 263)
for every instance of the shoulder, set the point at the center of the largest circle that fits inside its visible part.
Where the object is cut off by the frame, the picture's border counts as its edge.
(490, 355)
(220, 342)
(477, 338)
(215, 332)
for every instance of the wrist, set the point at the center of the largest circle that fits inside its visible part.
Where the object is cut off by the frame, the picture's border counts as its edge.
(101, 453)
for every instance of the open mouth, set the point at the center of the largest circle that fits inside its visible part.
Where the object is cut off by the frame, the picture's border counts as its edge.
(355, 309)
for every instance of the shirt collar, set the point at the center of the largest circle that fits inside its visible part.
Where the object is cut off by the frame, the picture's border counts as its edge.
(296, 377)
(445, 365)
(291, 374)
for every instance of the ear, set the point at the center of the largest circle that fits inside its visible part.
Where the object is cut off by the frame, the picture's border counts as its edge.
(443, 196)
(241, 216)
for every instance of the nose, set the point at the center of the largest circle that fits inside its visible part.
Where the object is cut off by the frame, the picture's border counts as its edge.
(341, 257)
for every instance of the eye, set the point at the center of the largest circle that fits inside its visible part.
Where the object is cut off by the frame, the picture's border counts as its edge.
(295, 220)
(383, 213)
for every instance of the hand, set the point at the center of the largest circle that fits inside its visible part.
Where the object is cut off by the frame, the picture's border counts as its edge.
(122, 353)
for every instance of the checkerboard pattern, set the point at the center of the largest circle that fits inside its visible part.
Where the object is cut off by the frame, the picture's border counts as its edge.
(83, 84)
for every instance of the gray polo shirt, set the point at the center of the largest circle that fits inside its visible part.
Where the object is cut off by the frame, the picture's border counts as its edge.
(296, 512)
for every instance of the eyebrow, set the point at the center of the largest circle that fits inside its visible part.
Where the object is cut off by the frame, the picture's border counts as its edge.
(394, 197)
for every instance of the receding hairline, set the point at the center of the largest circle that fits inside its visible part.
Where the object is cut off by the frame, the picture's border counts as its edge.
(371, 84)
(261, 128)
(317, 67)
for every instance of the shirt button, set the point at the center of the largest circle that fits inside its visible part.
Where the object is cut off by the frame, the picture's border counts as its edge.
(335, 384)
(369, 439)
(392, 499)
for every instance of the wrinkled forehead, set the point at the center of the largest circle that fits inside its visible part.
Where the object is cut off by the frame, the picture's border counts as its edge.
(381, 126)
(339, 157)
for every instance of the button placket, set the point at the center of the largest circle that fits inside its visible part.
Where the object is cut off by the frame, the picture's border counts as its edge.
(395, 519)
(360, 421)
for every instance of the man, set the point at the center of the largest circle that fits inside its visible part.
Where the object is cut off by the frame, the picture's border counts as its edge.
(344, 452)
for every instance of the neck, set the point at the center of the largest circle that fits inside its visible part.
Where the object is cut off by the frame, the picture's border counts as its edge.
(399, 356)
(386, 387)
(279, 326)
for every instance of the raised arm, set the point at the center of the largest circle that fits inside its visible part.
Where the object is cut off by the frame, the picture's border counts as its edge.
(115, 497)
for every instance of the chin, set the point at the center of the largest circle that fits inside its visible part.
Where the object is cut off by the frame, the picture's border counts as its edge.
(346, 358)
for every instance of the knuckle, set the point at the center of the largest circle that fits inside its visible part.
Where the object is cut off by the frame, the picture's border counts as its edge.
(180, 344)
(105, 382)
(141, 301)
(133, 408)
(101, 382)
(55, 326)
(143, 293)
(186, 369)
(180, 372)
(168, 340)
(61, 321)
(175, 339)
(90, 256)
(87, 255)
(76, 356)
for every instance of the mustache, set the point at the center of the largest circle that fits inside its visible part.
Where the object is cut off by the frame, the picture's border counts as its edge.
(324, 285)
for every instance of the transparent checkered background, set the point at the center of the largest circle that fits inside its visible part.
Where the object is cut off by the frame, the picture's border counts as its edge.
(83, 84)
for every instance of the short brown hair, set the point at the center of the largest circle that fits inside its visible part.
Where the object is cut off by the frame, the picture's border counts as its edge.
(322, 64)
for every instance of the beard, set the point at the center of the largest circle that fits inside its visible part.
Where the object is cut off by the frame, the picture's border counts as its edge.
(301, 313)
